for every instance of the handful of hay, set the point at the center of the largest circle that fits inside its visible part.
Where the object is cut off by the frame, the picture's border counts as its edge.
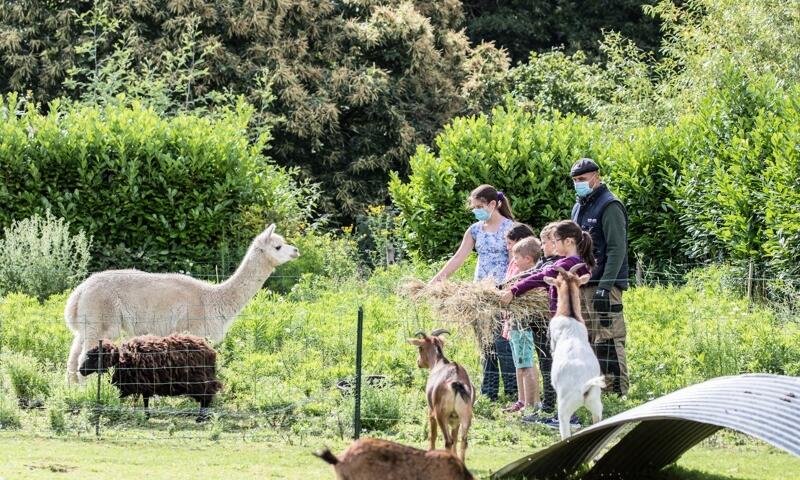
(477, 304)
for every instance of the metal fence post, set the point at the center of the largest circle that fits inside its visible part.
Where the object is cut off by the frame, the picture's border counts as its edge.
(99, 374)
(359, 338)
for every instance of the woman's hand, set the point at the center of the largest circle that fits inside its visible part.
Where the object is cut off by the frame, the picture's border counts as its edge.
(506, 298)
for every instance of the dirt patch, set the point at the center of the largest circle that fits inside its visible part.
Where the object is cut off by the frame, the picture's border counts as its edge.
(53, 467)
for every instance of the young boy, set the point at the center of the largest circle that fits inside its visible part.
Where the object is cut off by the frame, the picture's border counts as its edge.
(526, 253)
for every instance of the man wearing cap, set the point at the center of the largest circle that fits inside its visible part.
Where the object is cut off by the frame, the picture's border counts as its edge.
(601, 213)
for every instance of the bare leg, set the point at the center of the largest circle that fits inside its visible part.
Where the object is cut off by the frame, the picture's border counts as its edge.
(530, 385)
(520, 386)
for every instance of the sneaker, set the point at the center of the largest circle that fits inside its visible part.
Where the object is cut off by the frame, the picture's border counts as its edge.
(514, 407)
(552, 422)
(538, 416)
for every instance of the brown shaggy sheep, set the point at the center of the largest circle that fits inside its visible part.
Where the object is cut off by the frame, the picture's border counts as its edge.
(165, 366)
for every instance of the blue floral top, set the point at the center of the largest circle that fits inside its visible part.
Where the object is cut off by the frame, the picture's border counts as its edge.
(492, 251)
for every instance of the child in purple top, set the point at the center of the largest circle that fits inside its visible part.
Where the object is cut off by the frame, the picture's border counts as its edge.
(574, 245)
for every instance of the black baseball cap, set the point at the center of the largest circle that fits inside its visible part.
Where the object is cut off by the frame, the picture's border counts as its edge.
(584, 165)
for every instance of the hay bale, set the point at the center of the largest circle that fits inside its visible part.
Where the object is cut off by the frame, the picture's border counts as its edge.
(477, 305)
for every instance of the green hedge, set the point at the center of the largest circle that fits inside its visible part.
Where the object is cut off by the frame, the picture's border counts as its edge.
(148, 189)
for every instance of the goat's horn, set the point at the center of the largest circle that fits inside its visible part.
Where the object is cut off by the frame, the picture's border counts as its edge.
(576, 267)
(420, 333)
(439, 331)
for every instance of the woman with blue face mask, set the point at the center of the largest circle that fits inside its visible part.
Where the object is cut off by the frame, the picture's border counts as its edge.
(492, 210)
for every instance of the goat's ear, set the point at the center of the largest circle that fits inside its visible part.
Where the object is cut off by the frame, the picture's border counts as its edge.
(416, 341)
(549, 280)
(584, 279)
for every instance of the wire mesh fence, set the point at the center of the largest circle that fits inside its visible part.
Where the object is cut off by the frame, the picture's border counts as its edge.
(289, 367)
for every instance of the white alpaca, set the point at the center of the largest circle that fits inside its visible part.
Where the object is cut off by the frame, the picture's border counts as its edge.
(113, 302)
(575, 374)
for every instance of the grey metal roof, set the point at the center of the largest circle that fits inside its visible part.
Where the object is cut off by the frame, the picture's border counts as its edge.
(763, 406)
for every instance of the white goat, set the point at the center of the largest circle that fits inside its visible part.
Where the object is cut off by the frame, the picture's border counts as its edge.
(576, 374)
(139, 303)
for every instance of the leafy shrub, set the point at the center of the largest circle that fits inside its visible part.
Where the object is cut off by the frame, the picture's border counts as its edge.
(736, 199)
(30, 382)
(147, 189)
(39, 257)
(553, 81)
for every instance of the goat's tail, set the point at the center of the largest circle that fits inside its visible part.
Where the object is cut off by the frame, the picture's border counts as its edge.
(327, 456)
(460, 389)
(599, 382)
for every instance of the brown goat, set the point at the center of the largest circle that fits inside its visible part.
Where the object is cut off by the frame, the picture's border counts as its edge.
(370, 458)
(449, 391)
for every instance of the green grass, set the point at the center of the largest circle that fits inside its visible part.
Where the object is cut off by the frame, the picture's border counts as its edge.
(34, 457)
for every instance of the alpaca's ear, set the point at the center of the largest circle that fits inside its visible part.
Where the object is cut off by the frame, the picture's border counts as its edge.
(549, 280)
(584, 279)
(269, 230)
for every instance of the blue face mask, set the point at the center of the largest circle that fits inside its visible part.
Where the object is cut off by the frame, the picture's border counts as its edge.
(582, 189)
(481, 214)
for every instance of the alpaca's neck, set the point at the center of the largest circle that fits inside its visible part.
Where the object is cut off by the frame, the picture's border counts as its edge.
(245, 282)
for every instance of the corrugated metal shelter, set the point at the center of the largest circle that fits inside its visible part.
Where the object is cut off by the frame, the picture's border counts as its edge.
(763, 406)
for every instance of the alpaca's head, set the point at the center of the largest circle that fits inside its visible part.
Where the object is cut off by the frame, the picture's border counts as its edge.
(273, 248)
(92, 361)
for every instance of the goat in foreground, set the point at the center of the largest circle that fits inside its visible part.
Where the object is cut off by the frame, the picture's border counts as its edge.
(369, 459)
(576, 374)
(165, 366)
(139, 303)
(449, 391)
